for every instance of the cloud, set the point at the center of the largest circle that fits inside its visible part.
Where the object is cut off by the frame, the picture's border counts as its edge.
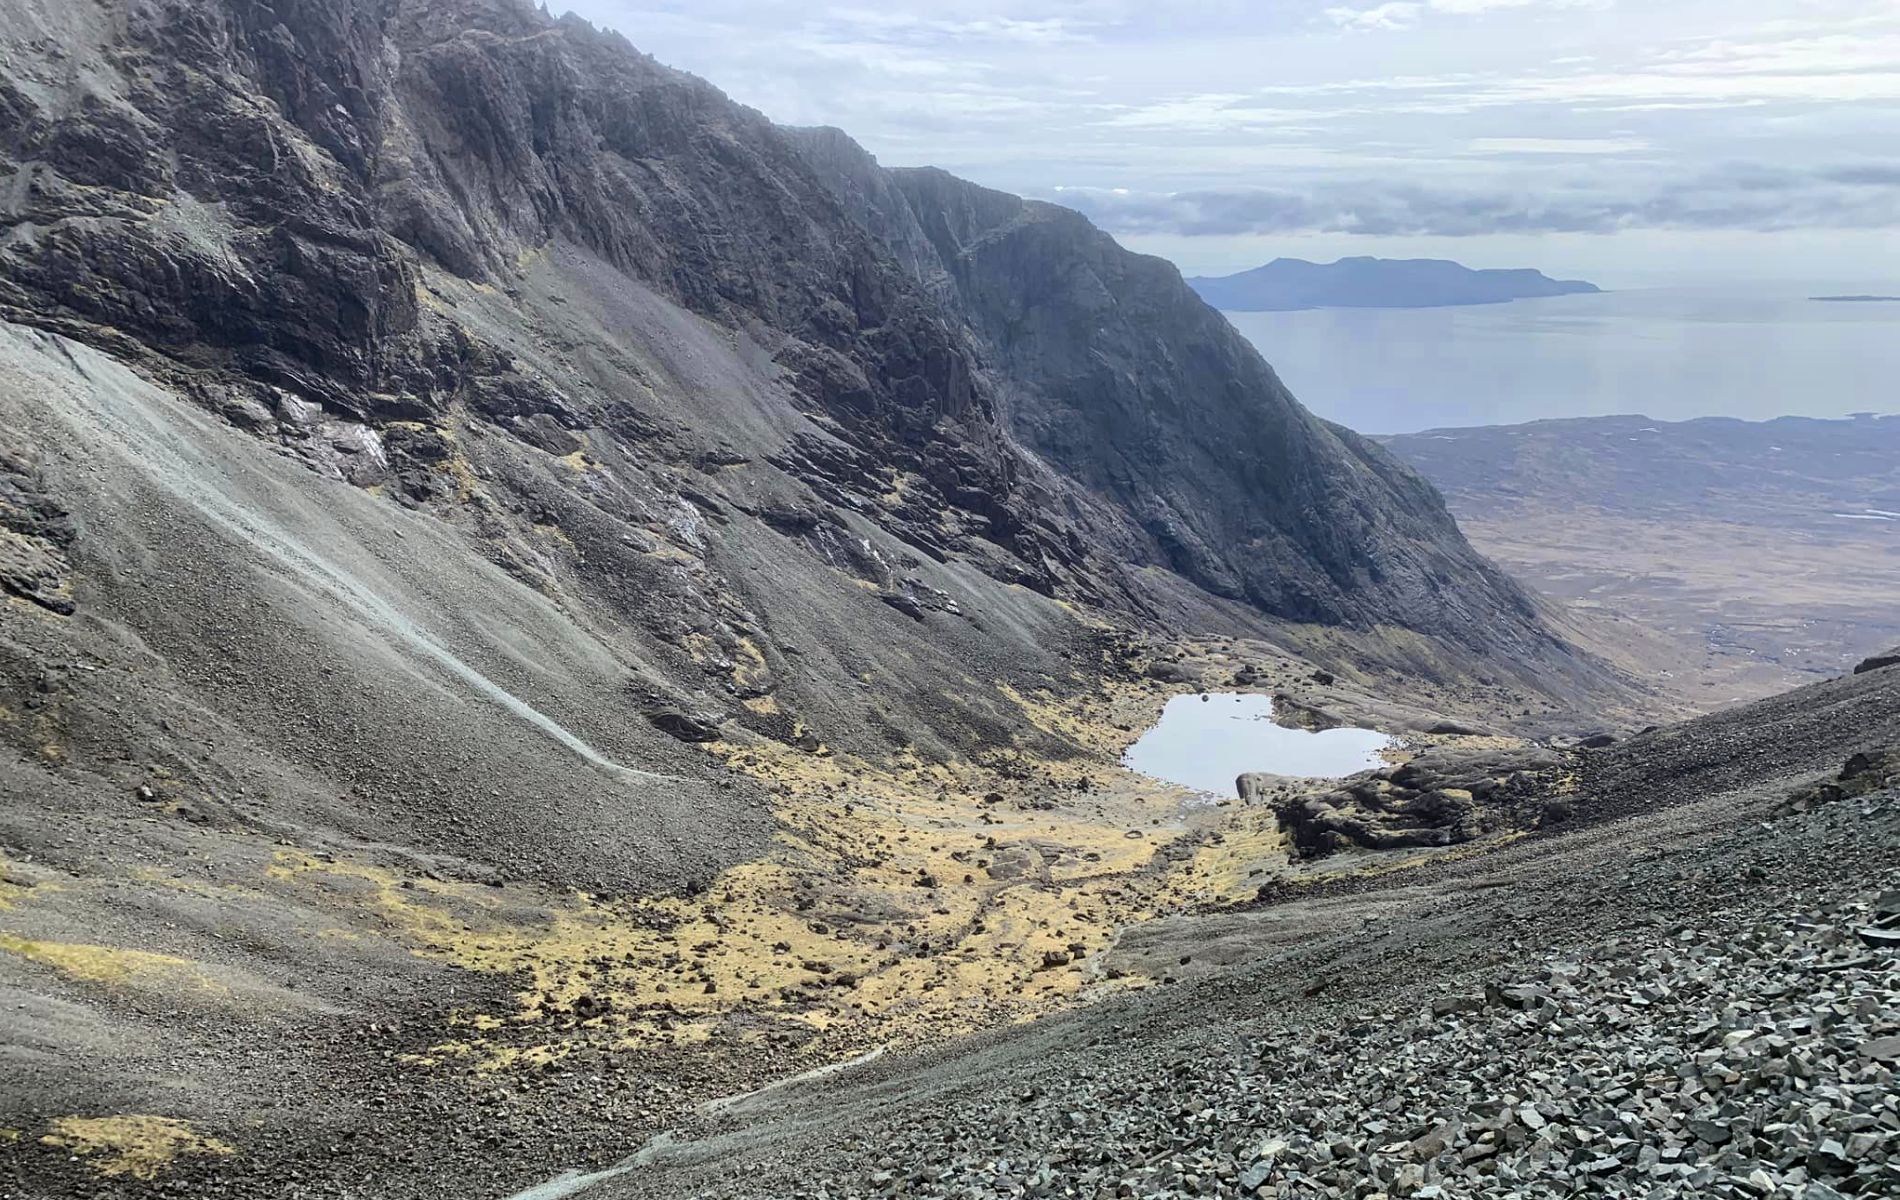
(1402, 14)
(1223, 115)
(1536, 145)
(897, 25)
(1737, 197)
(1394, 15)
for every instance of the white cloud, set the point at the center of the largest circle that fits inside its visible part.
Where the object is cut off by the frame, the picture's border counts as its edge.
(1534, 145)
(1396, 14)
(1401, 14)
(1498, 100)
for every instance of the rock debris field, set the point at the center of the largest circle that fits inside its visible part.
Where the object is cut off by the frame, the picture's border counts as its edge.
(1757, 1064)
(1712, 1030)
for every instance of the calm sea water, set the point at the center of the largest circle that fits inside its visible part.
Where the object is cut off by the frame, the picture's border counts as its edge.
(1663, 353)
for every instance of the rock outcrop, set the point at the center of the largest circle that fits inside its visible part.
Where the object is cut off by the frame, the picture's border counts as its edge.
(1868, 771)
(1440, 798)
(1878, 662)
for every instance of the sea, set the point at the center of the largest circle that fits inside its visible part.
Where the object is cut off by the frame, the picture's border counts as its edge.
(1666, 353)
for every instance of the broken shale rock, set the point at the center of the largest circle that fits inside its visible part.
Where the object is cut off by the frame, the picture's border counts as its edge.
(1865, 772)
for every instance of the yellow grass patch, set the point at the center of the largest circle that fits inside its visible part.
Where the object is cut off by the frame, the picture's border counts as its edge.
(133, 1144)
(114, 966)
(749, 669)
(901, 901)
(1234, 860)
(896, 905)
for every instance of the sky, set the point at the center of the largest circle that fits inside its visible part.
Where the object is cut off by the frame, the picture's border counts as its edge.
(1636, 142)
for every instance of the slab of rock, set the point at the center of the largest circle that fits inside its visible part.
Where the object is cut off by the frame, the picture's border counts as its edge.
(1879, 661)
(35, 531)
(1441, 798)
(686, 726)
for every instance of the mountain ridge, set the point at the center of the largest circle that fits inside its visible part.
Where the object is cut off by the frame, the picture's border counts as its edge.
(433, 160)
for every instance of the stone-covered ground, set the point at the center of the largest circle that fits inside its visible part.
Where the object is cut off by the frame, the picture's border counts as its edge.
(1749, 1062)
(1699, 1001)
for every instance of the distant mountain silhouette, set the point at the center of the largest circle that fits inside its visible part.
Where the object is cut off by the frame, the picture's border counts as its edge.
(1286, 284)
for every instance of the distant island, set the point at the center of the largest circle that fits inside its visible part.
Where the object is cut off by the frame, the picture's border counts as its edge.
(1290, 284)
(1855, 299)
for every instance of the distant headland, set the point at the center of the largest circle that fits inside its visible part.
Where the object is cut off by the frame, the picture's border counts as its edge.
(1289, 284)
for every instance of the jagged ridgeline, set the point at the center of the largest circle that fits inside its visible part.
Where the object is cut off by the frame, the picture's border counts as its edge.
(421, 213)
(759, 434)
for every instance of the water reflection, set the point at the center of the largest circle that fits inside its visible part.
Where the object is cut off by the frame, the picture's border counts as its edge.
(1204, 741)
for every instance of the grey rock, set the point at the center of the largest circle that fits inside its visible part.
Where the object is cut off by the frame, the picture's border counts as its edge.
(1878, 662)
(686, 726)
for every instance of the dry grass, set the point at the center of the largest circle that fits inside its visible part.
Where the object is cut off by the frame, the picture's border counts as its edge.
(117, 967)
(901, 902)
(133, 1145)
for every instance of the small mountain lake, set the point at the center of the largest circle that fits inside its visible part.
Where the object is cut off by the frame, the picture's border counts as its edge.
(1204, 741)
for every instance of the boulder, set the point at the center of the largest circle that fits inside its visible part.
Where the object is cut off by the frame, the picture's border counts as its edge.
(687, 727)
(903, 602)
(1879, 661)
(1440, 798)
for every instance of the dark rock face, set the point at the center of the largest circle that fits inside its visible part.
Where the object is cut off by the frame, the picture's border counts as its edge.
(1441, 798)
(253, 199)
(34, 533)
(1878, 661)
(1120, 377)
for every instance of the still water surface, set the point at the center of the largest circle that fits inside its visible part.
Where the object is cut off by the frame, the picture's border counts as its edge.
(1205, 741)
(1664, 353)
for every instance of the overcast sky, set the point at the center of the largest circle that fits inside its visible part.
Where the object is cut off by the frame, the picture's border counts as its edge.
(1635, 138)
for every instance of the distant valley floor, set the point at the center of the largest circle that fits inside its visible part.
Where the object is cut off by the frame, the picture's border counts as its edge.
(1741, 558)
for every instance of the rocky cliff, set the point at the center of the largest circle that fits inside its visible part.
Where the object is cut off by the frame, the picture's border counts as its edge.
(269, 201)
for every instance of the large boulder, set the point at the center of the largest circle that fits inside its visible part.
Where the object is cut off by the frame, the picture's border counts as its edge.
(1890, 658)
(1440, 798)
(1867, 771)
(686, 726)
